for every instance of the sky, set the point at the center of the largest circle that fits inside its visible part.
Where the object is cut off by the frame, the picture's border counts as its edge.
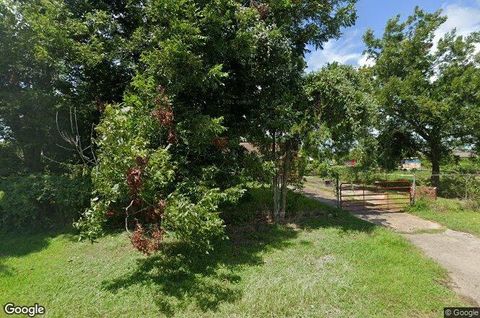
(374, 14)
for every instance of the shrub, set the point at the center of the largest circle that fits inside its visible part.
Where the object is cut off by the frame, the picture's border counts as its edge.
(462, 182)
(420, 205)
(156, 185)
(38, 202)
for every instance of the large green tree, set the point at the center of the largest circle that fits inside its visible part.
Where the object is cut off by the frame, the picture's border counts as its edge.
(282, 112)
(62, 61)
(209, 74)
(29, 74)
(426, 89)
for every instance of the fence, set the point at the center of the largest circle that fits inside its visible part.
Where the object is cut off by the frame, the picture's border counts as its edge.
(385, 196)
(463, 186)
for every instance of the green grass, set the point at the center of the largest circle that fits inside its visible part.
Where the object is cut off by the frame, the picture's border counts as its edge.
(451, 213)
(330, 265)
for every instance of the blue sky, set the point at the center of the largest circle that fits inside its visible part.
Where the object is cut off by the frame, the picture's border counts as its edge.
(462, 14)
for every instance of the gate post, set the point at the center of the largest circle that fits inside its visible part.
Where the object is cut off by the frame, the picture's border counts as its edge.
(364, 203)
(413, 190)
(338, 191)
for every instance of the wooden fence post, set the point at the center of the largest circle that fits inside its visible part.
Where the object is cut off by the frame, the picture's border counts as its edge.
(413, 190)
(338, 191)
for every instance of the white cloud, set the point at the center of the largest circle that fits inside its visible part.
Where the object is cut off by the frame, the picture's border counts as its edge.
(365, 61)
(466, 19)
(346, 50)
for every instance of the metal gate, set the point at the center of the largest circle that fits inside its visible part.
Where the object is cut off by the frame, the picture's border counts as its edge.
(381, 196)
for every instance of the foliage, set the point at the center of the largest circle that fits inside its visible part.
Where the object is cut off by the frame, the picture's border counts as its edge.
(36, 202)
(254, 207)
(209, 75)
(354, 174)
(10, 162)
(461, 185)
(457, 180)
(27, 99)
(343, 112)
(395, 143)
(344, 108)
(174, 86)
(427, 90)
(199, 222)
(59, 56)
(138, 182)
(269, 55)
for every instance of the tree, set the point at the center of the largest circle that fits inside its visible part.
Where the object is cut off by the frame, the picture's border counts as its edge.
(427, 89)
(281, 36)
(27, 96)
(61, 59)
(343, 114)
(395, 142)
(210, 73)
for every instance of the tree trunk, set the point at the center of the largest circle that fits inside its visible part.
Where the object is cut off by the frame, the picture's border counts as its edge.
(284, 188)
(435, 153)
(283, 201)
(32, 157)
(276, 196)
(435, 179)
(275, 181)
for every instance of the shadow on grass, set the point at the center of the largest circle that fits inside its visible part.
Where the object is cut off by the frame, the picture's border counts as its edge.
(17, 245)
(334, 218)
(181, 277)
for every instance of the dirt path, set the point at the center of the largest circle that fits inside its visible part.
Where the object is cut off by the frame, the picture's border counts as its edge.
(458, 252)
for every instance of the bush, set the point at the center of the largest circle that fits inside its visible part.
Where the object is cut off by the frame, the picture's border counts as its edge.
(40, 202)
(159, 177)
(460, 181)
(461, 184)
(420, 205)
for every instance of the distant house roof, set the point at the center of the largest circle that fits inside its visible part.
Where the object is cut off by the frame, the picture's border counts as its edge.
(350, 163)
(462, 153)
(411, 160)
(251, 148)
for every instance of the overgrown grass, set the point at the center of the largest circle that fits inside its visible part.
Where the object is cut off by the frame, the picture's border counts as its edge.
(452, 213)
(328, 264)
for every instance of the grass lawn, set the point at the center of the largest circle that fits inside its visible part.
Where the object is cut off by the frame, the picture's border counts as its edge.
(328, 265)
(451, 213)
